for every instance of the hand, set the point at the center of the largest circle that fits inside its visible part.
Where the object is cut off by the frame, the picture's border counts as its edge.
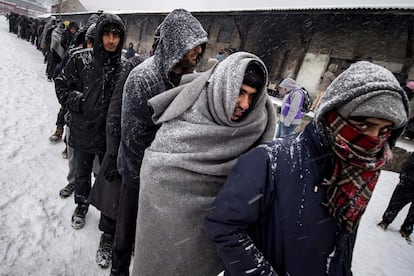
(111, 171)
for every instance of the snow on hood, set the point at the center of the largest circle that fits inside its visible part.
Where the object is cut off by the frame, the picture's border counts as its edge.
(180, 32)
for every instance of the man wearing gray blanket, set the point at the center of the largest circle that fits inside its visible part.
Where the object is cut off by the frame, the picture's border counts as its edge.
(206, 125)
(180, 47)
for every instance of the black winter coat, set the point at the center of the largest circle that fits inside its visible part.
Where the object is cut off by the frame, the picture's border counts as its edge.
(105, 194)
(266, 223)
(85, 87)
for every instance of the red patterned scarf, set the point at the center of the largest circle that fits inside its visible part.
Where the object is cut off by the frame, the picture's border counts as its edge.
(357, 167)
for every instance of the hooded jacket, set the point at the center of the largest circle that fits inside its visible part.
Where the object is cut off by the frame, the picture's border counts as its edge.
(105, 194)
(276, 224)
(85, 87)
(180, 32)
(81, 33)
(291, 113)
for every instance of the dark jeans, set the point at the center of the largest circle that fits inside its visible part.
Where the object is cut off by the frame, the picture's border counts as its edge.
(283, 131)
(83, 163)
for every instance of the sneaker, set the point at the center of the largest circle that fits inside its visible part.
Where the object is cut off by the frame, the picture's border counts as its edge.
(65, 153)
(383, 225)
(104, 252)
(57, 135)
(78, 217)
(67, 190)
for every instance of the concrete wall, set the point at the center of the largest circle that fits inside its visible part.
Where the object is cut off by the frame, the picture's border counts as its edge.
(311, 70)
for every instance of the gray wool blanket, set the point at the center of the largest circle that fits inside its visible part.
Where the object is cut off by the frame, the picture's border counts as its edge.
(187, 164)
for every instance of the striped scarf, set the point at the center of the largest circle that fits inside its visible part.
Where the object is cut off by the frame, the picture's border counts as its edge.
(357, 167)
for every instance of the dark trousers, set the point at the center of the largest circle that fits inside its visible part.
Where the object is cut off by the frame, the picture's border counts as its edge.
(53, 59)
(107, 225)
(126, 222)
(402, 195)
(60, 120)
(83, 163)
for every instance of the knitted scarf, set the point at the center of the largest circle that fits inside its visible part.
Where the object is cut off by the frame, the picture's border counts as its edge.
(359, 158)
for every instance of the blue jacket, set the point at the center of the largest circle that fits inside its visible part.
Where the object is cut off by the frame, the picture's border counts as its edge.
(264, 222)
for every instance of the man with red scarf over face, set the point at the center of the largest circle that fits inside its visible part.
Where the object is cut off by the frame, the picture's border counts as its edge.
(293, 206)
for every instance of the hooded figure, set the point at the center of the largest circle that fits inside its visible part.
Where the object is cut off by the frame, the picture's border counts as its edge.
(181, 44)
(55, 44)
(80, 36)
(51, 24)
(188, 161)
(90, 33)
(84, 87)
(56, 51)
(303, 196)
(291, 112)
(69, 35)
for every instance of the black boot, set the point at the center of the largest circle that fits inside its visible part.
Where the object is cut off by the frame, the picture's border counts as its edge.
(78, 217)
(104, 252)
(406, 236)
(383, 225)
(67, 190)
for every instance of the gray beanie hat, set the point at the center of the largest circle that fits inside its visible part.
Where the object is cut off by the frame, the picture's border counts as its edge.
(365, 81)
(386, 105)
(366, 89)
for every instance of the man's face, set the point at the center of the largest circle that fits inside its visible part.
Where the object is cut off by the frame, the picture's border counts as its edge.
(192, 58)
(110, 41)
(243, 101)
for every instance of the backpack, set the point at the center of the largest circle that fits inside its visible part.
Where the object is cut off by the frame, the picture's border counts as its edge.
(307, 102)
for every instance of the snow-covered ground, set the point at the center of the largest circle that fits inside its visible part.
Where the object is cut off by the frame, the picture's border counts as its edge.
(35, 233)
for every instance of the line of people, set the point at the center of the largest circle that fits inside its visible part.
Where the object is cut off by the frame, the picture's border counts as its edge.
(26, 28)
(191, 178)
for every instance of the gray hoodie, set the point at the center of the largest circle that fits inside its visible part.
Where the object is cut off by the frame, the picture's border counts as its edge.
(180, 33)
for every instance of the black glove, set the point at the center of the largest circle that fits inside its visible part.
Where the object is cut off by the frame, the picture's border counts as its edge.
(111, 171)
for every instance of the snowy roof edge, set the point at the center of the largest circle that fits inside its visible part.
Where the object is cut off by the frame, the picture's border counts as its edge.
(298, 8)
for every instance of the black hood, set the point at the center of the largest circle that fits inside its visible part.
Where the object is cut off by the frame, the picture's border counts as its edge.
(103, 20)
